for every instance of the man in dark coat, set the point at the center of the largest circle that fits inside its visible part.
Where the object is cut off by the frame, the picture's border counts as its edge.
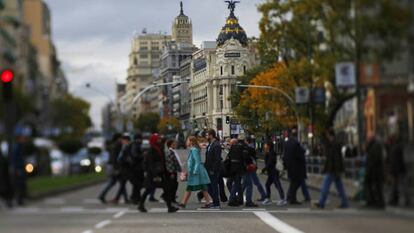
(17, 163)
(131, 160)
(6, 190)
(237, 170)
(294, 160)
(374, 176)
(334, 168)
(212, 165)
(398, 171)
(123, 174)
(112, 166)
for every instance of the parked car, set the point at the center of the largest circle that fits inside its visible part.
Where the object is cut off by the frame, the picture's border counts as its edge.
(81, 162)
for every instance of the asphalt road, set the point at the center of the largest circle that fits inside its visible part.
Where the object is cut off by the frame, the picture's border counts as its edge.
(81, 212)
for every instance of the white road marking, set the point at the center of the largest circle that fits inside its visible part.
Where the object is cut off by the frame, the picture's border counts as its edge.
(119, 214)
(158, 210)
(254, 209)
(275, 223)
(103, 224)
(54, 201)
(88, 231)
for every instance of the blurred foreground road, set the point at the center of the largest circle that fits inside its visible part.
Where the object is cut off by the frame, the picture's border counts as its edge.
(81, 212)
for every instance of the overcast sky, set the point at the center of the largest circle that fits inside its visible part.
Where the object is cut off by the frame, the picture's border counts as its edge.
(93, 37)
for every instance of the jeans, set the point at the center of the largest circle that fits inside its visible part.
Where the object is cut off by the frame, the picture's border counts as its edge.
(122, 190)
(273, 178)
(109, 185)
(236, 189)
(248, 185)
(305, 190)
(339, 187)
(213, 189)
(259, 185)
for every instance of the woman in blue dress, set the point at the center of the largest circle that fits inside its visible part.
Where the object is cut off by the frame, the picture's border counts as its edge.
(198, 178)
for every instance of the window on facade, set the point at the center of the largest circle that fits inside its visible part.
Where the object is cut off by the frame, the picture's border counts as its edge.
(144, 48)
(244, 69)
(221, 70)
(144, 56)
(232, 70)
(221, 90)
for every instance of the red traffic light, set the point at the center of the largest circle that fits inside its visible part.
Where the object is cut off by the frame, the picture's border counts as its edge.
(7, 76)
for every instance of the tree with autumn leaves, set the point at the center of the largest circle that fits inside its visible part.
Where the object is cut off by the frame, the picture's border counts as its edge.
(300, 43)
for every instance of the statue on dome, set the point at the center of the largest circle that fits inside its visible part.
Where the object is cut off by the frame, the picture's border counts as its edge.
(232, 5)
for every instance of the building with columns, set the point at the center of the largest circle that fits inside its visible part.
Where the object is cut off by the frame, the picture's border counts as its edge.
(215, 68)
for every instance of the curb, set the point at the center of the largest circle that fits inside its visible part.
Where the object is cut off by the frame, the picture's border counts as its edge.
(37, 196)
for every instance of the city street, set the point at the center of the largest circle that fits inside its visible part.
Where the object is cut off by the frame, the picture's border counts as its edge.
(81, 212)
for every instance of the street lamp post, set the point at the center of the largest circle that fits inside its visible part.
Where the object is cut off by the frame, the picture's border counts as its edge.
(290, 100)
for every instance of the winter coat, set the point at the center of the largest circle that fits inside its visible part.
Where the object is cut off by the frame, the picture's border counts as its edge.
(270, 162)
(197, 173)
(6, 190)
(213, 158)
(374, 161)
(294, 159)
(396, 160)
(154, 166)
(237, 160)
(334, 164)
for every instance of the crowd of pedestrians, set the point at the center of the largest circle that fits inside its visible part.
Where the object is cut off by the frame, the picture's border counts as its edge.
(227, 172)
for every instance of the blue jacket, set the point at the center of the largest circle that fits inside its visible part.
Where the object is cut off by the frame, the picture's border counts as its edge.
(197, 173)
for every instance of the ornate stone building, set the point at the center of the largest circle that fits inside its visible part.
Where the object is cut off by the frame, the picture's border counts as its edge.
(215, 68)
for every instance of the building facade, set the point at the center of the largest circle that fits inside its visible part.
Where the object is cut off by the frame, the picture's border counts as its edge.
(36, 15)
(215, 68)
(175, 53)
(144, 65)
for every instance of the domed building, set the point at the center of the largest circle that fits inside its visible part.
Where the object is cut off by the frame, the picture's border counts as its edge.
(215, 68)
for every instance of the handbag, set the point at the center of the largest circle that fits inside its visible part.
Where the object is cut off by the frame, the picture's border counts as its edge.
(251, 167)
(279, 165)
(183, 176)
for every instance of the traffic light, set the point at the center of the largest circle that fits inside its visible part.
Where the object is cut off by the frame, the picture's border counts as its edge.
(227, 120)
(7, 77)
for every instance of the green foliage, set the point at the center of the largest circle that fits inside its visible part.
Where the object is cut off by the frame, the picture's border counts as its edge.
(46, 184)
(169, 125)
(70, 146)
(71, 112)
(324, 32)
(95, 150)
(147, 122)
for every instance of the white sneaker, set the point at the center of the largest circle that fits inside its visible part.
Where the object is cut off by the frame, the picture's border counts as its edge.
(281, 203)
(267, 201)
